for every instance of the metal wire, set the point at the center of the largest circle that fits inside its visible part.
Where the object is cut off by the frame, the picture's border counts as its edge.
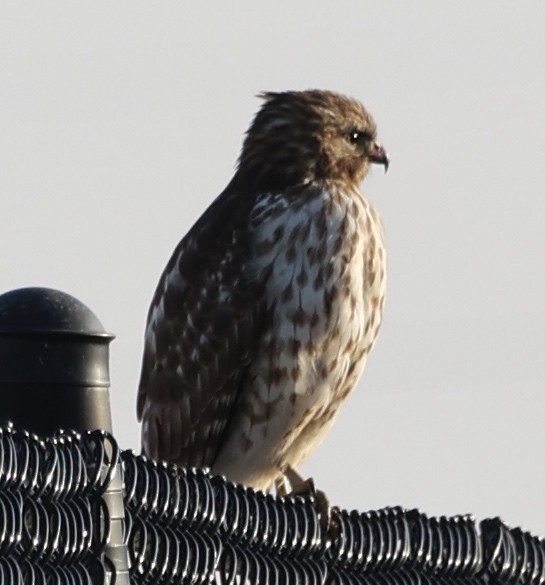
(287, 526)
(445, 546)
(372, 541)
(238, 534)
(19, 459)
(161, 555)
(245, 566)
(166, 493)
(63, 532)
(13, 571)
(54, 525)
(66, 466)
(185, 526)
(512, 556)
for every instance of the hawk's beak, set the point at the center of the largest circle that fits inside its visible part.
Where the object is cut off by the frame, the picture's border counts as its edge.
(378, 155)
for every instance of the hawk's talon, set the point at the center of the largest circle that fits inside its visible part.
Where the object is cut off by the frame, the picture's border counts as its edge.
(298, 486)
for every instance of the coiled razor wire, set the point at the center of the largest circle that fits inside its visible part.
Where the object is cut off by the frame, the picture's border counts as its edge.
(184, 526)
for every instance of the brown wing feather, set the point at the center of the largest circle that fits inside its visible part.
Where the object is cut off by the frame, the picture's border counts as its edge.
(203, 325)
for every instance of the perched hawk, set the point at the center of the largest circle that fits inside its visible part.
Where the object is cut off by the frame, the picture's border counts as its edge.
(263, 318)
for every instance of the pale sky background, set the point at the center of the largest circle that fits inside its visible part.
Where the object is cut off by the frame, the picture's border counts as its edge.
(121, 121)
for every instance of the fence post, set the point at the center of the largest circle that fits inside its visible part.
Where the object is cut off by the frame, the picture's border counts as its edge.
(54, 374)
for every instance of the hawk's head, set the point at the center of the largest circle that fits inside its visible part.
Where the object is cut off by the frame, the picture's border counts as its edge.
(301, 136)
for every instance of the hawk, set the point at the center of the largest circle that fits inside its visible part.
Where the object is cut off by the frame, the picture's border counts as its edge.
(265, 313)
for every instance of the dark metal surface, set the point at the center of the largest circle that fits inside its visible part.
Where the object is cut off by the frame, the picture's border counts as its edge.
(54, 371)
(54, 524)
(183, 526)
(54, 374)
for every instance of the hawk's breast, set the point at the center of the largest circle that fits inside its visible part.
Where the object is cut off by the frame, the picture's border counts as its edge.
(322, 255)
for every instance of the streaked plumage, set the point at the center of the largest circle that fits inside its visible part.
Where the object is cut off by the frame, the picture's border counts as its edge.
(263, 318)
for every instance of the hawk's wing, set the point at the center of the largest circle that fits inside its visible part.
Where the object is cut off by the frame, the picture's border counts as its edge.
(202, 328)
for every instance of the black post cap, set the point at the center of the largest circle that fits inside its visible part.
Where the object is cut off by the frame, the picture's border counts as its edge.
(54, 362)
(39, 311)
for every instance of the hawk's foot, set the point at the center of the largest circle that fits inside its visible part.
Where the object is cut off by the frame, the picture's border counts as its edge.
(293, 484)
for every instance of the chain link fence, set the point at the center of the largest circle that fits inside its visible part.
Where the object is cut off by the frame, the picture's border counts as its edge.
(185, 526)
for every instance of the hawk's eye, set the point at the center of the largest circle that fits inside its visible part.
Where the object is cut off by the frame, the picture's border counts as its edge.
(359, 136)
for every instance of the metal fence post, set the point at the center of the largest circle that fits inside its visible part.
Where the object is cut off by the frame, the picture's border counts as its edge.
(54, 374)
